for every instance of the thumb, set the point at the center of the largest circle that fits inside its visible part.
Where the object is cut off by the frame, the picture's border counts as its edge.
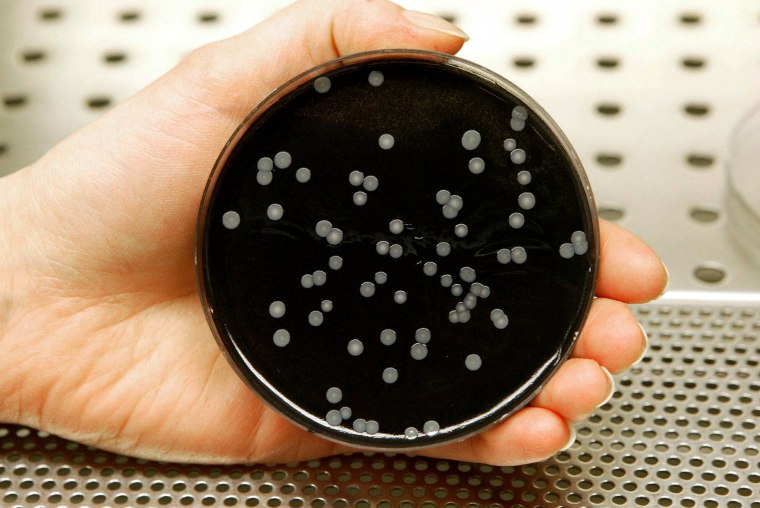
(238, 72)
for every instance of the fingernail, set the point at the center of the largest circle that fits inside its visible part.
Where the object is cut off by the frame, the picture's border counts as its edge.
(646, 345)
(667, 281)
(432, 22)
(612, 387)
(571, 439)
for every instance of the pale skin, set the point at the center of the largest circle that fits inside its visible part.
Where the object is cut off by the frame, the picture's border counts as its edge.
(102, 334)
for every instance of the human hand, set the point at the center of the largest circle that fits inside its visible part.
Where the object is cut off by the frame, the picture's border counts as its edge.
(103, 336)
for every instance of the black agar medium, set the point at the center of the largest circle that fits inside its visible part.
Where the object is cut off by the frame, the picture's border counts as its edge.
(397, 249)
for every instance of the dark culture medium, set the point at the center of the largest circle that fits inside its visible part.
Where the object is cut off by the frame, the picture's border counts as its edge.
(397, 249)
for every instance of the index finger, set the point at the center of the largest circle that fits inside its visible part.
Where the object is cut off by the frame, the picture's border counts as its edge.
(629, 270)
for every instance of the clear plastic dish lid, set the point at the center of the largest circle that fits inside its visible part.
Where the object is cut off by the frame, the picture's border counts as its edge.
(397, 249)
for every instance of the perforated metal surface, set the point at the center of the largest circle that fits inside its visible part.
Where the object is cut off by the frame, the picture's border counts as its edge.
(681, 430)
(647, 91)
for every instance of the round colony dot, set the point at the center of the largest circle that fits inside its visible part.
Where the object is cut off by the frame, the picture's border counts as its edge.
(370, 183)
(355, 347)
(307, 281)
(566, 250)
(517, 124)
(461, 230)
(503, 256)
(396, 226)
(517, 156)
(396, 251)
(323, 227)
(516, 220)
(453, 317)
(526, 200)
(399, 297)
(473, 362)
(335, 236)
(485, 292)
(360, 198)
(523, 177)
(316, 318)
(476, 289)
(578, 237)
(387, 337)
(319, 277)
(335, 262)
(411, 433)
(382, 247)
(449, 212)
(326, 306)
(386, 141)
(501, 322)
(470, 301)
(519, 255)
(510, 144)
(367, 289)
(390, 375)
(447, 280)
(303, 175)
(442, 196)
(467, 274)
(429, 268)
(520, 112)
(355, 178)
(345, 412)
(470, 139)
(275, 211)
(476, 165)
(443, 249)
(277, 309)
(360, 425)
(418, 351)
(264, 177)
(456, 202)
(456, 290)
(322, 84)
(282, 160)
(372, 427)
(422, 335)
(265, 164)
(381, 277)
(231, 219)
(333, 417)
(281, 338)
(334, 395)
(376, 78)
(581, 248)
(463, 315)
(431, 427)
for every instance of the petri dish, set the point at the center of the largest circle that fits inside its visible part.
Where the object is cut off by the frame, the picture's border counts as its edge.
(397, 249)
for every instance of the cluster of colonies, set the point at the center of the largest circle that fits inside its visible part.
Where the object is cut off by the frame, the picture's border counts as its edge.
(369, 183)
(336, 417)
(578, 245)
(451, 205)
(282, 160)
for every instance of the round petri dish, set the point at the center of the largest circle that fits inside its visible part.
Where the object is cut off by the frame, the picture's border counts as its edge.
(397, 249)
